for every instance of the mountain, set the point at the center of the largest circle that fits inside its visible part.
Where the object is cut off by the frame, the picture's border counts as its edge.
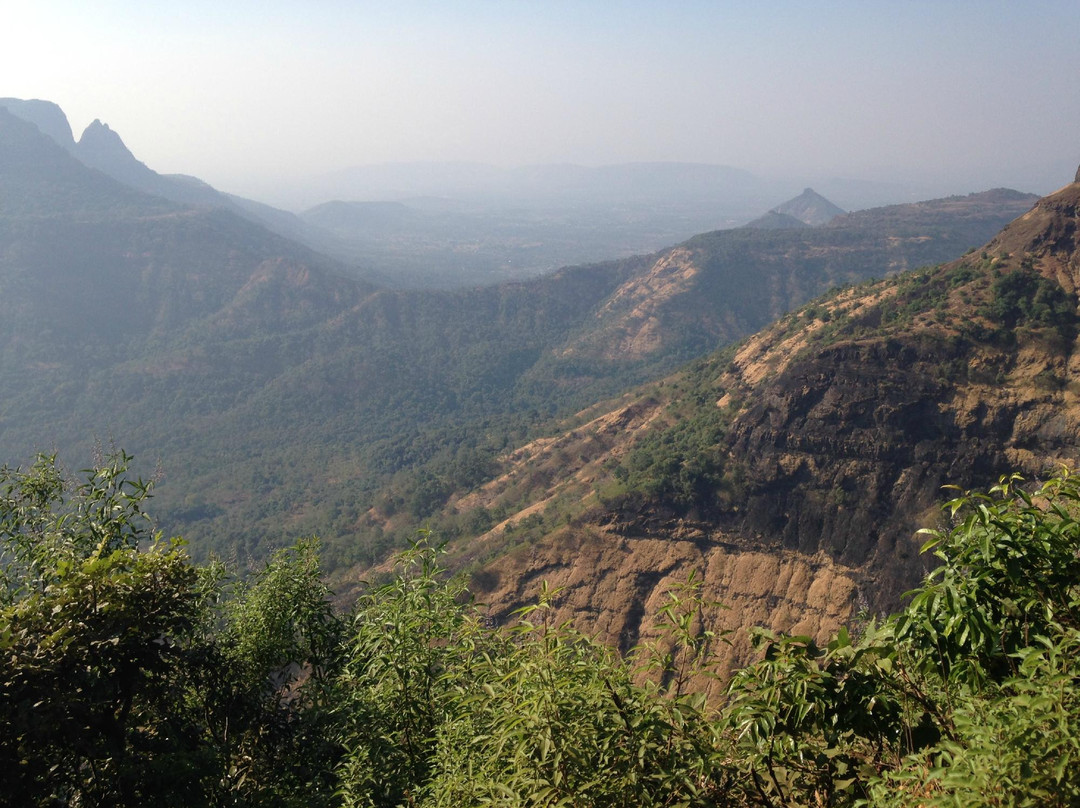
(101, 148)
(772, 220)
(810, 208)
(497, 225)
(96, 275)
(46, 116)
(44, 181)
(280, 397)
(792, 470)
(718, 287)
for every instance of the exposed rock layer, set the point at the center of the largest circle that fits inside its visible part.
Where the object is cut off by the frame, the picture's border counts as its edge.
(846, 426)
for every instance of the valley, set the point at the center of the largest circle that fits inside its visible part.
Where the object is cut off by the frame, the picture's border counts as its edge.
(273, 394)
(679, 497)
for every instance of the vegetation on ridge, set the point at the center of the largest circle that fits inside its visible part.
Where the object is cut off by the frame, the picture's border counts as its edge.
(284, 398)
(131, 676)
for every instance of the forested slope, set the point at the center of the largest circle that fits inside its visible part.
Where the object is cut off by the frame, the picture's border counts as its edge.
(274, 395)
(132, 676)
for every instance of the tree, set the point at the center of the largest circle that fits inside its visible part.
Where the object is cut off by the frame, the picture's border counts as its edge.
(130, 676)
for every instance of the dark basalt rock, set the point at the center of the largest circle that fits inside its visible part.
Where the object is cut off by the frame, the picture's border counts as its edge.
(847, 453)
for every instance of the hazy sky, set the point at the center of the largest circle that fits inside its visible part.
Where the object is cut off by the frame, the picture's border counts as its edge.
(238, 92)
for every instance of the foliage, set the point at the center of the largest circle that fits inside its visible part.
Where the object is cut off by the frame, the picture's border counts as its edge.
(965, 697)
(682, 465)
(129, 676)
(394, 692)
(1024, 297)
(811, 726)
(441, 710)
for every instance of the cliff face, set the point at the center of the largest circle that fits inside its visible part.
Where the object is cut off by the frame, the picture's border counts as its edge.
(613, 580)
(954, 376)
(844, 422)
(847, 451)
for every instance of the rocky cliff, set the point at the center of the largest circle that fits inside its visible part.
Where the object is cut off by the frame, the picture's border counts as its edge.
(833, 434)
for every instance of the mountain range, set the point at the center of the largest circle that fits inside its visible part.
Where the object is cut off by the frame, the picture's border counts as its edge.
(537, 423)
(793, 470)
(460, 225)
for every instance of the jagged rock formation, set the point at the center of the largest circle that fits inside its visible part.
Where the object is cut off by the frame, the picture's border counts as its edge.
(102, 148)
(46, 116)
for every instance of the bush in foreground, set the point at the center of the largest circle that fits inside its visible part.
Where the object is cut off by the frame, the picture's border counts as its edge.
(131, 676)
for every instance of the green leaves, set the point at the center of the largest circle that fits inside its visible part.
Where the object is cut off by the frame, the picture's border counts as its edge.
(1008, 575)
(129, 676)
(441, 709)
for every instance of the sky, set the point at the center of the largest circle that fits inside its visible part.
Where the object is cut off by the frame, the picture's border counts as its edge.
(244, 94)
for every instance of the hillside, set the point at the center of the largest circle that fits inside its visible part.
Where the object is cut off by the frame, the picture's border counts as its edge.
(276, 396)
(793, 469)
(721, 286)
(101, 148)
(772, 220)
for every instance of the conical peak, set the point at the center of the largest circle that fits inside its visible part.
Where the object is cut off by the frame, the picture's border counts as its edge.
(809, 207)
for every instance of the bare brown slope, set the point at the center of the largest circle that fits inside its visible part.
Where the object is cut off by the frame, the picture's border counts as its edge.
(844, 422)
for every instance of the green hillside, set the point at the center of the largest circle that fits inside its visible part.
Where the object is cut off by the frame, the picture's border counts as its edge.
(275, 396)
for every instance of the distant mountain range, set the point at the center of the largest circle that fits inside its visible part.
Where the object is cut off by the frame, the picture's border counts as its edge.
(472, 224)
(282, 395)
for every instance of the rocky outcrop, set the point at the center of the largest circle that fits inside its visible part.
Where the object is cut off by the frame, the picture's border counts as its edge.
(845, 422)
(46, 116)
(612, 581)
(844, 448)
(846, 453)
(101, 148)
